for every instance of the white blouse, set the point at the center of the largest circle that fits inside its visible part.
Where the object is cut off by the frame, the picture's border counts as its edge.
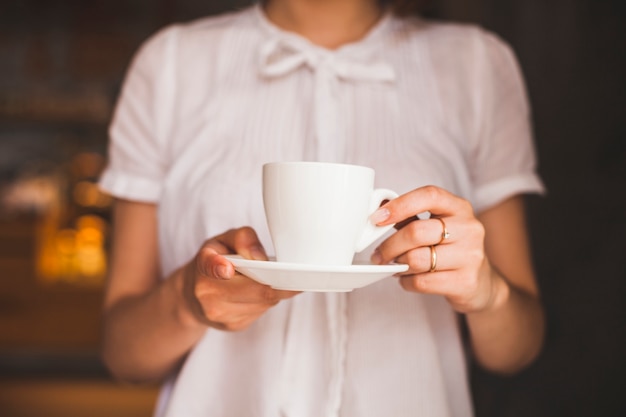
(206, 104)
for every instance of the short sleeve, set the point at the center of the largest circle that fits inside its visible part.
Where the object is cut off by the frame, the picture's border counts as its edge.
(137, 162)
(503, 160)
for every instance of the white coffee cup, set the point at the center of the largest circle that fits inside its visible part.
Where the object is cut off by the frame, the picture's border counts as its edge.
(318, 213)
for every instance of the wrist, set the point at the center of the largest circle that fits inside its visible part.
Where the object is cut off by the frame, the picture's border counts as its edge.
(498, 292)
(183, 311)
(501, 291)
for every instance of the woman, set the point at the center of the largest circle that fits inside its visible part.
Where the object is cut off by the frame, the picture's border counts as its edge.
(438, 110)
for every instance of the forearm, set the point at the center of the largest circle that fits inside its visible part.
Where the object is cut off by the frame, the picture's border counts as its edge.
(146, 336)
(509, 334)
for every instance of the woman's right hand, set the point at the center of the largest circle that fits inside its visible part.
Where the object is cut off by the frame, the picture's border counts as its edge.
(218, 296)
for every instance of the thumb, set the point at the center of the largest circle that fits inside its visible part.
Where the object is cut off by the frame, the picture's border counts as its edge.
(211, 264)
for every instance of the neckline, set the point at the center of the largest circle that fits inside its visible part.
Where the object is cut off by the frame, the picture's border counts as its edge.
(371, 38)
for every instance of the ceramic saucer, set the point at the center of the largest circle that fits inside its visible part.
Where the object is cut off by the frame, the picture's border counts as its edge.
(299, 277)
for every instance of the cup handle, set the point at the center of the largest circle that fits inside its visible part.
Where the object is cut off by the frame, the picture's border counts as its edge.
(373, 232)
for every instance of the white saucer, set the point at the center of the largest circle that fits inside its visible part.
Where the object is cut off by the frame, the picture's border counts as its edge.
(299, 277)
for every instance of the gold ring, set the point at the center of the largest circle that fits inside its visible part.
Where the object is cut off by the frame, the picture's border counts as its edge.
(444, 233)
(433, 258)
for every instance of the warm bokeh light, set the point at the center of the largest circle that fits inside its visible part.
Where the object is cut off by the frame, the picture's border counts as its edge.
(75, 255)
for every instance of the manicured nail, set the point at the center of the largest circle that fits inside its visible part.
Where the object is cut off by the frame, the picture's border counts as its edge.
(380, 215)
(376, 257)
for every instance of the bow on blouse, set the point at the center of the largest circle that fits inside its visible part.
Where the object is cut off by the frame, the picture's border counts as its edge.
(279, 57)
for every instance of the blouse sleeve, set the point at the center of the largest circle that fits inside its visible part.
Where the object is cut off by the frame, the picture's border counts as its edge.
(503, 160)
(140, 126)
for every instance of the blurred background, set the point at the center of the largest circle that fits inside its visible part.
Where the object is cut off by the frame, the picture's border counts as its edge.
(61, 66)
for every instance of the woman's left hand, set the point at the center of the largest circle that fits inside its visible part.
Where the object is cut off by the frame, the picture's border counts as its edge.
(445, 253)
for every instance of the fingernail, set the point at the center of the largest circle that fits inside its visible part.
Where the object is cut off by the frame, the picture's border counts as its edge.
(222, 271)
(376, 258)
(380, 215)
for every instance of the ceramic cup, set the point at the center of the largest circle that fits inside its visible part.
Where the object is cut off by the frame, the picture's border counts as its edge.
(318, 213)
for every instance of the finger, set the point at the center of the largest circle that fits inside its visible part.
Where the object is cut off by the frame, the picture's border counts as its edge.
(463, 291)
(446, 283)
(248, 290)
(423, 259)
(420, 233)
(245, 242)
(211, 264)
(431, 199)
(245, 290)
